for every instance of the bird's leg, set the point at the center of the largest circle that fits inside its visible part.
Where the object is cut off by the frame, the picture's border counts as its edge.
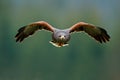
(58, 44)
(65, 44)
(54, 43)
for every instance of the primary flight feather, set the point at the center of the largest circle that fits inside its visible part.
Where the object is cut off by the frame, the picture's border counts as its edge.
(61, 37)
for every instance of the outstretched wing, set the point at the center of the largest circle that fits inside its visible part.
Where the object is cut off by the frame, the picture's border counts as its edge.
(97, 33)
(30, 29)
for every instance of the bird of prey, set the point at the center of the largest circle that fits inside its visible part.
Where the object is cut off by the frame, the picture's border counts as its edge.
(61, 37)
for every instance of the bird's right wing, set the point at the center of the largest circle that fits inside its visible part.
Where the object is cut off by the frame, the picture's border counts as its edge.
(97, 33)
(30, 29)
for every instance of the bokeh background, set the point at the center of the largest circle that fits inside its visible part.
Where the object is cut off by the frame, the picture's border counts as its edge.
(36, 59)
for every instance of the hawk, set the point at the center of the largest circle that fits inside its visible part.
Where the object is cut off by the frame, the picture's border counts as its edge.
(60, 37)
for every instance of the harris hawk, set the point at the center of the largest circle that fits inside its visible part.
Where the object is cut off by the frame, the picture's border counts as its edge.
(60, 37)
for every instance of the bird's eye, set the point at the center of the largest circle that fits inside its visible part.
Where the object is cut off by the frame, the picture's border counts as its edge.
(59, 36)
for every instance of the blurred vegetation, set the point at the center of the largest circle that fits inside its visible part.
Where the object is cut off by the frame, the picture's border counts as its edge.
(36, 59)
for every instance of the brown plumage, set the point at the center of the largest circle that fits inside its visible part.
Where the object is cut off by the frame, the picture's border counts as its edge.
(61, 37)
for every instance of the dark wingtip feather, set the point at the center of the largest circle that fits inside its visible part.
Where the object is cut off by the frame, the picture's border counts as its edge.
(98, 38)
(104, 31)
(20, 35)
(104, 37)
(20, 30)
(17, 35)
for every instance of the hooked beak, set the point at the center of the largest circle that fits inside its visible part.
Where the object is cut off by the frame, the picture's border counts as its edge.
(62, 37)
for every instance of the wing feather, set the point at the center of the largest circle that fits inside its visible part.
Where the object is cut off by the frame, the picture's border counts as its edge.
(97, 33)
(30, 29)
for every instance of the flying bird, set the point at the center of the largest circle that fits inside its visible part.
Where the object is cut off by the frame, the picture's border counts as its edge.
(60, 37)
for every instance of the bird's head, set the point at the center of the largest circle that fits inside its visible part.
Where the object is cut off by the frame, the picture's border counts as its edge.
(60, 39)
(61, 36)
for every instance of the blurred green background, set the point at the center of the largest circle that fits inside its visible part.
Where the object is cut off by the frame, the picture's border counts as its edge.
(36, 59)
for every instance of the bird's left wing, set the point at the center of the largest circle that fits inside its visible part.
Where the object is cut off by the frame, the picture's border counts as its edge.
(30, 29)
(97, 33)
